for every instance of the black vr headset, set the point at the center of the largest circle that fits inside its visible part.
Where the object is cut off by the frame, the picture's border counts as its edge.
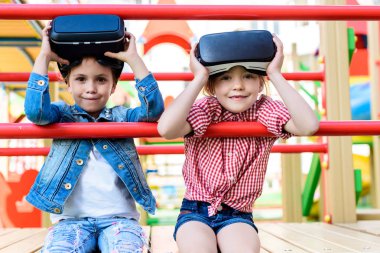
(73, 37)
(253, 50)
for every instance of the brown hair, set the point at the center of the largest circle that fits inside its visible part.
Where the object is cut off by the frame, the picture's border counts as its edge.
(115, 65)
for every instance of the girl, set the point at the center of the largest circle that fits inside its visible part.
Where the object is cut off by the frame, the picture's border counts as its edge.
(224, 176)
(90, 185)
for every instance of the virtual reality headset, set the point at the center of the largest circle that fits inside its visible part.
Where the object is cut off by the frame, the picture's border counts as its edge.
(75, 36)
(252, 49)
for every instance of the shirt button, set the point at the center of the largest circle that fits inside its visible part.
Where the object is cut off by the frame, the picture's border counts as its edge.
(57, 210)
(220, 208)
(41, 82)
(229, 154)
(141, 88)
(67, 186)
(232, 179)
(120, 166)
(79, 162)
(105, 146)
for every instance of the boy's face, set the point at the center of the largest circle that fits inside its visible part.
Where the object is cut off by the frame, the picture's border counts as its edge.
(237, 89)
(91, 85)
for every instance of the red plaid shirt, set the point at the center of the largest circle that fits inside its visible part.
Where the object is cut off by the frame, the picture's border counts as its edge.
(230, 170)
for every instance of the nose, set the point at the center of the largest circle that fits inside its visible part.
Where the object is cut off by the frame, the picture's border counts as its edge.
(90, 87)
(238, 84)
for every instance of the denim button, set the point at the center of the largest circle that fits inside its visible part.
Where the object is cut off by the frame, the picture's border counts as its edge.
(105, 146)
(79, 162)
(67, 186)
(141, 88)
(57, 210)
(120, 166)
(41, 82)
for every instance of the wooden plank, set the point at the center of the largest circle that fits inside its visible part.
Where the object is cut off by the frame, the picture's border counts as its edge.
(368, 214)
(7, 230)
(16, 235)
(327, 233)
(271, 243)
(307, 242)
(28, 244)
(370, 227)
(162, 240)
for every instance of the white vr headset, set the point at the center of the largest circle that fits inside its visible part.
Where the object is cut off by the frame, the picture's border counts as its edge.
(252, 49)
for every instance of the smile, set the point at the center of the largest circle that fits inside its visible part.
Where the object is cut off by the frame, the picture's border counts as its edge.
(237, 97)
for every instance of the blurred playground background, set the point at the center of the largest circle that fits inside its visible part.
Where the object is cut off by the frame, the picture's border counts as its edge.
(165, 46)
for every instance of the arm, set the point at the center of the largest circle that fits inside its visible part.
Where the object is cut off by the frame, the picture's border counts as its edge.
(38, 108)
(303, 120)
(152, 104)
(173, 123)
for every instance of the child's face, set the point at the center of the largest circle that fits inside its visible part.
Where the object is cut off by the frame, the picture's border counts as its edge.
(91, 85)
(237, 89)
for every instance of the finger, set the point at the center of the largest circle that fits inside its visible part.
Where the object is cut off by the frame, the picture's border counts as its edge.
(111, 54)
(193, 47)
(277, 41)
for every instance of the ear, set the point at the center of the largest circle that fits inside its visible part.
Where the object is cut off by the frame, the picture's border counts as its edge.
(261, 86)
(113, 88)
(69, 87)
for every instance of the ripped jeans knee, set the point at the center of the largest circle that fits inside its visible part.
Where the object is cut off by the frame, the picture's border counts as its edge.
(124, 236)
(69, 237)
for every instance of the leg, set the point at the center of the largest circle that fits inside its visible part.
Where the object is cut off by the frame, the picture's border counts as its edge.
(69, 236)
(238, 237)
(122, 236)
(195, 236)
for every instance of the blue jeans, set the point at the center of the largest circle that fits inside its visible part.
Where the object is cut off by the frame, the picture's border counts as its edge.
(197, 211)
(93, 234)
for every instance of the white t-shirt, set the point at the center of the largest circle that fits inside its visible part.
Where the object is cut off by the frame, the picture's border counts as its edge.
(99, 193)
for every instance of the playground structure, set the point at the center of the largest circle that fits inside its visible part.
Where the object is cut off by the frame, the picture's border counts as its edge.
(338, 200)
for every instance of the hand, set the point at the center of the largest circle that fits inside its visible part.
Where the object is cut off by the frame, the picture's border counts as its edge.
(129, 55)
(276, 63)
(195, 66)
(46, 49)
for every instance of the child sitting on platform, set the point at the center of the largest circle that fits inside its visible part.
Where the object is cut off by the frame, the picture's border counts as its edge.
(90, 185)
(224, 176)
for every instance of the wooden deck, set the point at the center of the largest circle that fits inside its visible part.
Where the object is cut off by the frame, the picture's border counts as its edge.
(363, 236)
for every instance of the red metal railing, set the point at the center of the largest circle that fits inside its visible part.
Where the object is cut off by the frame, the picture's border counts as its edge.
(194, 12)
(55, 76)
(138, 130)
(169, 149)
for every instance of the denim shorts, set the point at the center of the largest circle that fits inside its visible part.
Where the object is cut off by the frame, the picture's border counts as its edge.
(197, 211)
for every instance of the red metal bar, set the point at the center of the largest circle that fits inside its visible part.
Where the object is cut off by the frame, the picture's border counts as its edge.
(138, 130)
(167, 149)
(194, 12)
(55, 76)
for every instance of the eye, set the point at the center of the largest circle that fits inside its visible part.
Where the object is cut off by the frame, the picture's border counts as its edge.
(225, 78)
(80, 79)
(250, 76)
(102, 80)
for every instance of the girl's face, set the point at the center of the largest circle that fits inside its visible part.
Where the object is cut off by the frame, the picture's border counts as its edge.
(91, 85)
(237, 89)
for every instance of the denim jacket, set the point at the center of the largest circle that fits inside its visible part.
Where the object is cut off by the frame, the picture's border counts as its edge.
(67, 157)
